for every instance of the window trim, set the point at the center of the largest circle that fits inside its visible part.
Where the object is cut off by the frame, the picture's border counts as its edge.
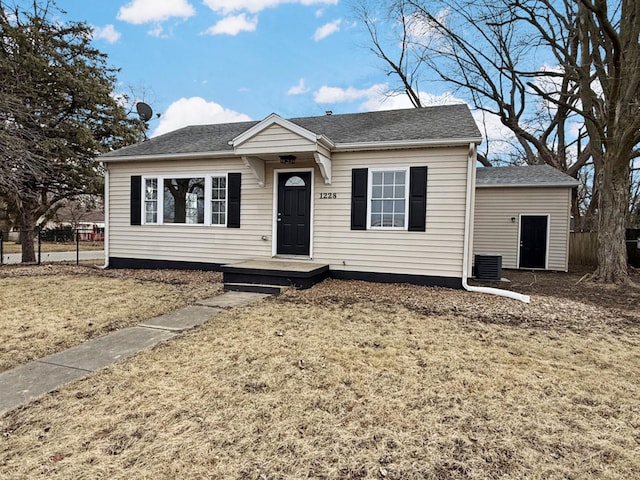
(207, 199)
(407, 181)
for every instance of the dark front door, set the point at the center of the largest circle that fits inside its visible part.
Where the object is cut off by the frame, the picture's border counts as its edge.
(294, 213)
(533, 241)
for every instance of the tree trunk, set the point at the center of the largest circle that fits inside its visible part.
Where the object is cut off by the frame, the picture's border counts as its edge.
(612, 178)
(27, 237)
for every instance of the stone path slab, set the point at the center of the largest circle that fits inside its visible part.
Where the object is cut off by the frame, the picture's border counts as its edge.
(22, 384)
(182, 319)
(233, 299)
(109, 349)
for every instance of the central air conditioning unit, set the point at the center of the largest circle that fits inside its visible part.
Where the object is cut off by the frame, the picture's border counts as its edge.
(488, 267)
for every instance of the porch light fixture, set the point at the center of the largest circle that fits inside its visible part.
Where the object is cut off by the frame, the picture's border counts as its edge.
(287, 159)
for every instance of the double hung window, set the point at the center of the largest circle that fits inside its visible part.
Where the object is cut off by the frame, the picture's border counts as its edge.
(388, 198)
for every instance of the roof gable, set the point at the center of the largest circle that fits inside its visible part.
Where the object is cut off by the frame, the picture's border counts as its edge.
(268, 122)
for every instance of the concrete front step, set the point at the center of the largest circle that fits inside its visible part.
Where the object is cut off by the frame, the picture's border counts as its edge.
(274, 272)
(255, 288)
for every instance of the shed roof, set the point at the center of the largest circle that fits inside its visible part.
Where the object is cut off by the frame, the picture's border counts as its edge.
(445, 123)
(527, 176)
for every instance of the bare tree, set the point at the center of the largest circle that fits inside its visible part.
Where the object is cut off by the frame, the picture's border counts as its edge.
(606, 72)
(479, 51)
(609, 76)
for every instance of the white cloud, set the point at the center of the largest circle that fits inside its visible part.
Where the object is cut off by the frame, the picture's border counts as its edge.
(255, 6)
(195, 111)
(327, 29)
(340, 95)
(386, 100)
(146, 11)
(157, 32)
(298, 89)
(107, 33)
(233, 25)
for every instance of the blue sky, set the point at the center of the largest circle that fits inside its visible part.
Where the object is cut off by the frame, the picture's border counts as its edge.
(212, 61)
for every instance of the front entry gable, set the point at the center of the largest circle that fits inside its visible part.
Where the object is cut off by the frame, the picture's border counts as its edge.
(275, 137)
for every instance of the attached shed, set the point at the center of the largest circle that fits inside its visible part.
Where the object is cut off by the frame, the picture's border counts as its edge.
(523, 214)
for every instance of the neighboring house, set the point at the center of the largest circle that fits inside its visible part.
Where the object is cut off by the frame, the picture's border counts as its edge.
(384, 196)
(85, 215)
(523, 214)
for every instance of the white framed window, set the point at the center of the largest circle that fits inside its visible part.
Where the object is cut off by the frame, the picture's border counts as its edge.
(388, 198)
(219, 200)
(185, 200)
(150, 200)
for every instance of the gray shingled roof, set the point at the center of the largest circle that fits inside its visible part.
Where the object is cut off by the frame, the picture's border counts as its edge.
(534, 175)
(448, 122)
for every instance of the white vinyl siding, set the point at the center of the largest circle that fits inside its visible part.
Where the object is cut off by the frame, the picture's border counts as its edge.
(497, 221)
(275, 140)
(189, 243)
(436, 252)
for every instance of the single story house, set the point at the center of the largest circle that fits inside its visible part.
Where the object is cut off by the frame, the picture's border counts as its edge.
(524, 214)
(383, 196)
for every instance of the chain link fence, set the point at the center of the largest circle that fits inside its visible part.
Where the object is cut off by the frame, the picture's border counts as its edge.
(65, 244)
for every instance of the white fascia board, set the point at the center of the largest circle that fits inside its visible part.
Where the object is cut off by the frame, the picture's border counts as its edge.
(528, 185)
(167, 156)
(273, 119)
(398, 144)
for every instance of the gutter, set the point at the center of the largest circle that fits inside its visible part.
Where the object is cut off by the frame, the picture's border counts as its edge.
(527, 185)
(398, 144)
(168, 156)
(106, 216)
(471, 171)
(322, 140)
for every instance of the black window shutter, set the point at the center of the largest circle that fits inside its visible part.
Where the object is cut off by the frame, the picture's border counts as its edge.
(417, 199)
(359, 179)
(136, 200)
(233, 194)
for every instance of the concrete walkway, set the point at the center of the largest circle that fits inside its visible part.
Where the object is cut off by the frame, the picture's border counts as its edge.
(22, 384)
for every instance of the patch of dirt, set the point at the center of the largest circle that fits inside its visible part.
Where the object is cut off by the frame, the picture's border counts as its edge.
(558, 301)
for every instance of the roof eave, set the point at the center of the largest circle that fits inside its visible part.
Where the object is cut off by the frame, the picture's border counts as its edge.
(167, 156)
(522, 185)
(398, 144)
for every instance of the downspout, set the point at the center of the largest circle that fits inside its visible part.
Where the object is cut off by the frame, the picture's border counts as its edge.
(106, 215)
(471, 173)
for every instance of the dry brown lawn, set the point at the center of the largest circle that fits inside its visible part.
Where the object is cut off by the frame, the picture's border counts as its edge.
(47, 309)
(352, 380)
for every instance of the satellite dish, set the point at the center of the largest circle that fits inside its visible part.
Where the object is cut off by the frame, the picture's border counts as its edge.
(144, 111)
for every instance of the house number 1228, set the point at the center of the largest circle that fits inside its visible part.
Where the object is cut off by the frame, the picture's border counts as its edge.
(328, 196)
